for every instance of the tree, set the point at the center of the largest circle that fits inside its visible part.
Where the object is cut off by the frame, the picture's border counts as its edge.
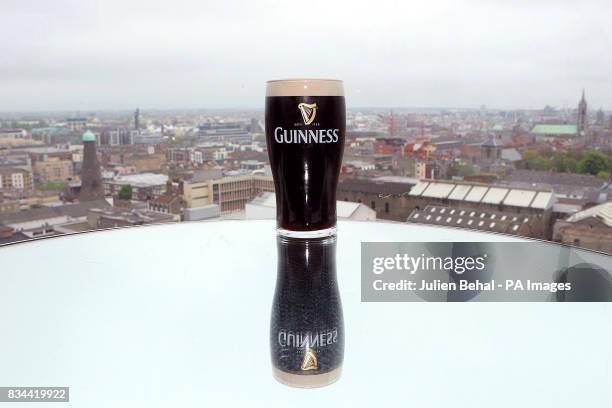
(461, 170)
(604, 175)
(593, 163)
(533, 160)
(125, 193)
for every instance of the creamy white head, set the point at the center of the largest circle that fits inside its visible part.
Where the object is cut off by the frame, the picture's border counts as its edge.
(305, 87)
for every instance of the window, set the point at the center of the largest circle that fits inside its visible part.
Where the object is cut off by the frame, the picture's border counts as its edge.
(373, 205)
(387, 208)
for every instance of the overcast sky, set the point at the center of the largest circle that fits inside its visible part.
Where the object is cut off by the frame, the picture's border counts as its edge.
(116, 54)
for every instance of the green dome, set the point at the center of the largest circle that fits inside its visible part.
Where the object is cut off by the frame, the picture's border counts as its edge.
(89, 136)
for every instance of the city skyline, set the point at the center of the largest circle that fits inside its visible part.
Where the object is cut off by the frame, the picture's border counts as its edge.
(83, 56)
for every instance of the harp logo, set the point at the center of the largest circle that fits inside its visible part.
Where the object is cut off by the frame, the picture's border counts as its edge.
(308, 111)
(310, 360)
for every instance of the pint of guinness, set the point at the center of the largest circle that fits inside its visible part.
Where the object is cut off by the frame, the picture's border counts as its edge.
(307, 331)
(305, 127)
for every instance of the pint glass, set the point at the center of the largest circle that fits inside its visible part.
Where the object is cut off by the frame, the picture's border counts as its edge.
(305, 126)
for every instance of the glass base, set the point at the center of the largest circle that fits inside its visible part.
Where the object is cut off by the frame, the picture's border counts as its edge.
(327, 232)
(307, 381)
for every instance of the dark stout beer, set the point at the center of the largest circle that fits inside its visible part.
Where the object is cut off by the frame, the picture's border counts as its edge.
(307, 332)
(305, 127)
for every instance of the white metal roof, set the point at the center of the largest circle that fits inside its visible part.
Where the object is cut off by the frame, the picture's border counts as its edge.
(419, 188)
(438, 190)
(495, 195)
(460, 192)
(543, 200)
(602, 211)
(476, 193)
(142, 179)
(519, 198)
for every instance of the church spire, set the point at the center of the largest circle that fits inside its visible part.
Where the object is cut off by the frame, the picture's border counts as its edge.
(581, 116)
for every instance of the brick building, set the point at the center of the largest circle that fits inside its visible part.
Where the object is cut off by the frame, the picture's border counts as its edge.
(532, 206)
(53, 170)
(591, 228)
(388, 198)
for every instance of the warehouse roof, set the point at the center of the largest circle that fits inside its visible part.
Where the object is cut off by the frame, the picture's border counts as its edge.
(484, 193)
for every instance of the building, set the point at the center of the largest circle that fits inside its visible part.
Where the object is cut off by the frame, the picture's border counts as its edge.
(118, 137)
(137, 119)
(33, 198)
(532, 204)
(53, 170)
(76, 124)
(201, 213)
(264, 207)
(484, 220)
(145, 186)
(252, 165)
(389, 199)
(491, 150)
(98, 218)
(91, 177)
(12, 178)
(230, 193)
(8, 205)
(171, 202)
(564, 185)
(582, 116)
(591, 228)
(550, 133)
(229, 132)
(13, 136)
(43, 221)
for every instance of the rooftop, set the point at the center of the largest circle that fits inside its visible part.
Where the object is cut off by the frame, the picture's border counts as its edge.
(88, 136)
(553, 178)
(563, 130)
(470, 218)
(374, 186)
(142, 179)
(484, 193)
(602, 212)
(35, 214)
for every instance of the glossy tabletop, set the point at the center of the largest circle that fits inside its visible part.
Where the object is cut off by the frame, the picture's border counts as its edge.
(178, 315)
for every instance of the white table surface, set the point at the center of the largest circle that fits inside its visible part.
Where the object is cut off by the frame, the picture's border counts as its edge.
(178, 315)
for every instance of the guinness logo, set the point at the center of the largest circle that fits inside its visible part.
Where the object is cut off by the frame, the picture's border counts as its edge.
(310, 360)
(309, 111)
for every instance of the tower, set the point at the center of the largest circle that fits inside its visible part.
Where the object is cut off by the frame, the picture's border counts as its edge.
(581, 118)
(490, 150)
(91, 177)
(137, 119)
